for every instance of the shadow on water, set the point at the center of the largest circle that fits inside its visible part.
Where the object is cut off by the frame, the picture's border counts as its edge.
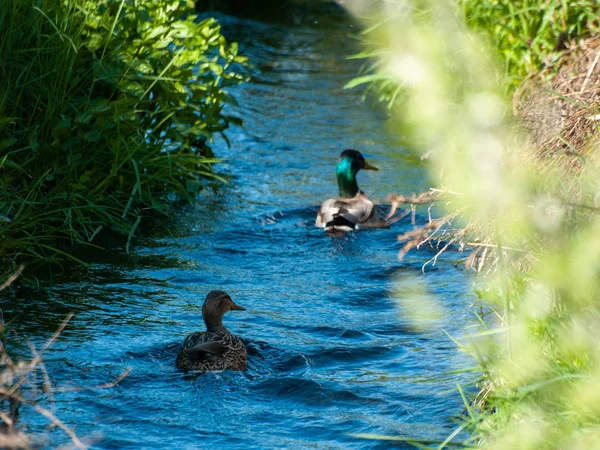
(288, 12)
(332, 349)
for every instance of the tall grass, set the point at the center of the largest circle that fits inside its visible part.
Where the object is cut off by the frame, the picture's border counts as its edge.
(524, 38)
(537, 353)
(106, 108)
(529, 35)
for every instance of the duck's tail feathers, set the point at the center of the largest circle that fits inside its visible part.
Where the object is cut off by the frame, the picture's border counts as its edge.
(340, 223)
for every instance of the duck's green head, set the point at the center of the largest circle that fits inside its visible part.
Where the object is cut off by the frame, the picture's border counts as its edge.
(350, 162)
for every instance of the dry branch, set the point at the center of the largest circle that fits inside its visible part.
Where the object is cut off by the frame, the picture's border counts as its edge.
(18, 387)
(441, 234)
(414, 199)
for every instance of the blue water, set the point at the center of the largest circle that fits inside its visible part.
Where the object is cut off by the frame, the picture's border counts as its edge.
(337, 339)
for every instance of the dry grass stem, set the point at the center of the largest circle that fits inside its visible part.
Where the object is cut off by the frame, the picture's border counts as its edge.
(559, 112)
(12, 278)
(442, 235)
(396, 200)
(24, 372)
(108, 385)
(18, 381)
(46, 413)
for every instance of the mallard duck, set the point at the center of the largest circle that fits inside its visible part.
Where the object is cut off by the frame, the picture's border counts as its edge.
(215, 349)
(352, 210)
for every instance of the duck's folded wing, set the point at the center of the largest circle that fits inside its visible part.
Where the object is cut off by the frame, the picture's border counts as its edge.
(201, 351)
(338, 212)
(356, 211)
(326, 212)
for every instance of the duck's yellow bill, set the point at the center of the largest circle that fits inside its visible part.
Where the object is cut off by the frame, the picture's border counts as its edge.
(370, 166)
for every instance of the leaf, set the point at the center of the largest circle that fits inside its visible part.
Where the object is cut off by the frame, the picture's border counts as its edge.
(193, 186)
(183, 30)
(366, 79)
(13, 165)
(132, 87)
(215, 68)
(156, 32)
(6, 143)
(233, 50)
(95, 41)
(234, 120)
(6, 121)
(133, 228)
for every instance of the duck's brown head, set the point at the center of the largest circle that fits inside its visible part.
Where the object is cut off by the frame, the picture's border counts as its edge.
(217, 303)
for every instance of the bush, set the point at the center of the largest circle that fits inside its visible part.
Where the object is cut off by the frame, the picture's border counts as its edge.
(529, 35)
(530, 225)
(526, 37)
(106, 107)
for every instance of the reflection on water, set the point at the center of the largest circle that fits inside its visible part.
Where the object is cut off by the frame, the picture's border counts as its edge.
(332, 351)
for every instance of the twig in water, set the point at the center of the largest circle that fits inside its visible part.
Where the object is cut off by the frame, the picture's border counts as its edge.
(110, 384)
(46, 413)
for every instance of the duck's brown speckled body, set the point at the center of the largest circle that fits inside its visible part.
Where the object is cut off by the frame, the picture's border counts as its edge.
(216, 349)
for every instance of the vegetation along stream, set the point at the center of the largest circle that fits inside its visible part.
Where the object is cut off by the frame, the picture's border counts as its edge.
(333, 346)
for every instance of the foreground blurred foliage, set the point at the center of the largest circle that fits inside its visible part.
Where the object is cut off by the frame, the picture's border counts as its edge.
(106, 107)
(528, 221)
(525, 37)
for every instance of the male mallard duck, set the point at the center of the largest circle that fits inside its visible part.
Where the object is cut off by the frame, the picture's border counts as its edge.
(215, 349)
(352, 210)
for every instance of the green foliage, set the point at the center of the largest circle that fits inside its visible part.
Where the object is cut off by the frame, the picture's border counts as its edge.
(105, 108)
(533, 221)
(528, 35)
(378, 82)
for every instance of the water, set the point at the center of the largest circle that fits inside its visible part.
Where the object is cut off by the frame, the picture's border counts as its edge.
(335, 345)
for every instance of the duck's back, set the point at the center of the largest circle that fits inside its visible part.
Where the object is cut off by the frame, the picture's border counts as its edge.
(218, 351)
(346, 214)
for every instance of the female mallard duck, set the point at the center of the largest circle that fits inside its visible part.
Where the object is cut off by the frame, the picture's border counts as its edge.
(352, 210)
(215, 349)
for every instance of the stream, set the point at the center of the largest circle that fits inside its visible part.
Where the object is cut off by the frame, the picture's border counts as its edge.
(343, 338)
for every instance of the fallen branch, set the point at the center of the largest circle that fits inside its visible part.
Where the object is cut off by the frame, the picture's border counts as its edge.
(425, 197)
(111, 384)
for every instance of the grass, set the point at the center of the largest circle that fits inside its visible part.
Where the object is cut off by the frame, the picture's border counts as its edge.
(527, 38)
(529, 35)
(528, 215)
(106, 109)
